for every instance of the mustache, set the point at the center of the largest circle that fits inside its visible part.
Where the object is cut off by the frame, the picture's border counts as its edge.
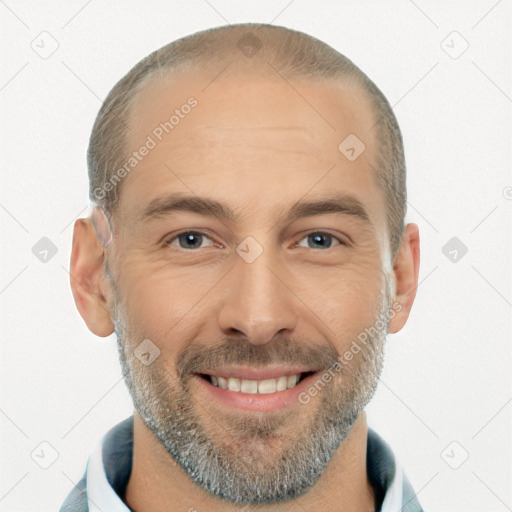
(234, 352)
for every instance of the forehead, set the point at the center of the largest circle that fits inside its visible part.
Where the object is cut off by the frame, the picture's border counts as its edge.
(263, 141)
(320, 111)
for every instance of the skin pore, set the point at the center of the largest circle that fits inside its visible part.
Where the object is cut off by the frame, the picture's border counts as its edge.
(257, 147)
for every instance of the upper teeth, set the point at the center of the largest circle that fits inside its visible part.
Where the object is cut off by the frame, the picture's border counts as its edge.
(256, 386)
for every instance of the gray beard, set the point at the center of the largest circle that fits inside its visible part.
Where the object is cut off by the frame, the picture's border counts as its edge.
(254, 465)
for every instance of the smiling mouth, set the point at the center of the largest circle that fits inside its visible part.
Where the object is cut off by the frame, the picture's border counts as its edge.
(256, 387)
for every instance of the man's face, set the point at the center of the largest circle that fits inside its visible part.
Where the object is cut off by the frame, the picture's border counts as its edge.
(290, 299)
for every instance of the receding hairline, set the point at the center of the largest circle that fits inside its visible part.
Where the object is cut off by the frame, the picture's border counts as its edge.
(272, 44)
(178, 75)
(217, 52)
(348, 90)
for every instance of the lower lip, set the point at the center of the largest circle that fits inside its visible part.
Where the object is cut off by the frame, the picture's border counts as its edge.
(257, 402)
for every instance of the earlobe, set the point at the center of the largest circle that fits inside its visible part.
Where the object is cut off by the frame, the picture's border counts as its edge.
(406, 270)
(88, 281)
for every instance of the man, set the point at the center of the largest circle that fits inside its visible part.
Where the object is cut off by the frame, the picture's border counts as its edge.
(248, 248)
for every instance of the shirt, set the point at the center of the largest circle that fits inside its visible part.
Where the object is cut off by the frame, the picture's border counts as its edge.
(109, 467)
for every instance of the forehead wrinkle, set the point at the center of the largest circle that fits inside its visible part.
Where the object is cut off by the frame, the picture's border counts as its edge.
(202, 138)
(186, 147)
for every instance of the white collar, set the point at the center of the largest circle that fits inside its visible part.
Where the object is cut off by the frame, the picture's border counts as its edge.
(100, 495)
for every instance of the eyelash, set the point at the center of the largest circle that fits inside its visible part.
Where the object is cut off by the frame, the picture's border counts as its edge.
(169, 241)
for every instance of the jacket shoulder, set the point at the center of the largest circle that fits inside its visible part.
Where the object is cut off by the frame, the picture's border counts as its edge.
(76, 500)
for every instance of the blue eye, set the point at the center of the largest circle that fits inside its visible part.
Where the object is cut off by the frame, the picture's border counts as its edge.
(189, 239)
(321, 239)
(193, 240)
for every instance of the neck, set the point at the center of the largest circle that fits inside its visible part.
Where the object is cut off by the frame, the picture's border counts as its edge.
(158, 484)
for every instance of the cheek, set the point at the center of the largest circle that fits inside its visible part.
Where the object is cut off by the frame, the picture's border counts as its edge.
(167, 303)
(161, 304)
(349, 302)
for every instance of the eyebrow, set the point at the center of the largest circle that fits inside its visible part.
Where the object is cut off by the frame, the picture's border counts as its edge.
(179, 202)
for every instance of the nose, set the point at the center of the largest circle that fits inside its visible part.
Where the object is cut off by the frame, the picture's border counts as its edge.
(259, 302)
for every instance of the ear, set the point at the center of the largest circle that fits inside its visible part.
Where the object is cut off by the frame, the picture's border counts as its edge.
(88, 282)
(406, 268)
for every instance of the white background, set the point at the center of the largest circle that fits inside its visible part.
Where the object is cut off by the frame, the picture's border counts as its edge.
(447, 374)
